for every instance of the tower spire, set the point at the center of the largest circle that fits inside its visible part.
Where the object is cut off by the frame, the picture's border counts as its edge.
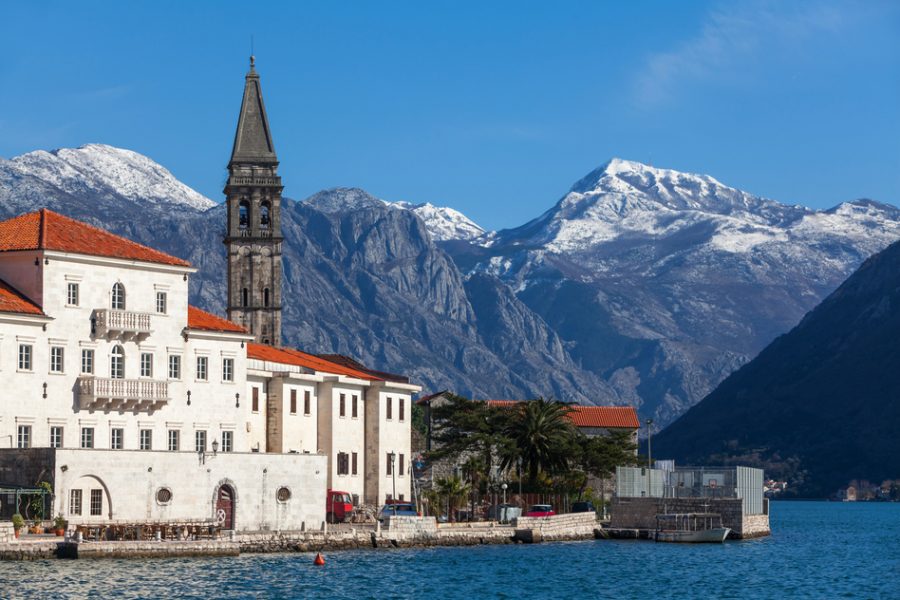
(253, 239)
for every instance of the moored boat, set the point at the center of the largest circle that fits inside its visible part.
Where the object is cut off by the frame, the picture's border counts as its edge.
(690, 528)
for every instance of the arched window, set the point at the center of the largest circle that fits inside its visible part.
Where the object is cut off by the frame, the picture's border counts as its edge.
(266, 297)
(118, 296)
(264, 219)
(245, 297)
(117, 363)
(244, 214)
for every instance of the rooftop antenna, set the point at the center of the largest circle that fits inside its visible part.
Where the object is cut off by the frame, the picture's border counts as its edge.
(252, 57)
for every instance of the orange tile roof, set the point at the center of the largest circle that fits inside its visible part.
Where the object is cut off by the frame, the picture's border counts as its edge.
(47, 230)
(13, 301)
(607, 417)
(200, 319)
(290, 356)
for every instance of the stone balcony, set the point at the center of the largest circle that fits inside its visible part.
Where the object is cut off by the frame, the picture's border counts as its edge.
(101, 393)
(125, 325)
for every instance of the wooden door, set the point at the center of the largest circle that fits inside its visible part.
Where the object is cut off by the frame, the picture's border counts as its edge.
(225, 507)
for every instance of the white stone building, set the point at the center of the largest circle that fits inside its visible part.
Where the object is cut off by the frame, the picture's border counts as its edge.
(136, 406)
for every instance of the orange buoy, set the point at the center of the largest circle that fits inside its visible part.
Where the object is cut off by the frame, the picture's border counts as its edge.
(319, 560)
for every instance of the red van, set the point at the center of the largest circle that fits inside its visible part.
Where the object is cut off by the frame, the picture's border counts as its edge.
(338, 506)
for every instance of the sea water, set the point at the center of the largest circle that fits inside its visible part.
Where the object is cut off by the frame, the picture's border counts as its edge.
(816, 550)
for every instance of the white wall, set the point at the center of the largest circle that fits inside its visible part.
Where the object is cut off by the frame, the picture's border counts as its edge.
(130, 481)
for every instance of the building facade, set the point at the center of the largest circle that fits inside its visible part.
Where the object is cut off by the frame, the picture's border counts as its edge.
(136, 406)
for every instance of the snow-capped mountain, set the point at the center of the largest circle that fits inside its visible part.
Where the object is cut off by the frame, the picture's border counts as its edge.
(97, 170)
(444, 223)
(664, 282)
(641, 285)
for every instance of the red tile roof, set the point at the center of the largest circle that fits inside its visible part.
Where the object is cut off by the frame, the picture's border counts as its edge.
(47, 230)
(606, 417)
(13, 301)
(290, 356)
(200, 319)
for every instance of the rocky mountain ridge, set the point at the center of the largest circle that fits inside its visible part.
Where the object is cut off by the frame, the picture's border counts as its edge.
(641, 285)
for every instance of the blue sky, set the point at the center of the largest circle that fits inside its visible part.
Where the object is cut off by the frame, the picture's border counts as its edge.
(492, 108)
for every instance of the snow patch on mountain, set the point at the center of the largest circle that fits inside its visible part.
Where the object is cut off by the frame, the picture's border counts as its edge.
(443, 223)
(104, 170)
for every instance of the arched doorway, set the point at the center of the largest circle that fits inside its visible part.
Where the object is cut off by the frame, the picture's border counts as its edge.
(225, 506)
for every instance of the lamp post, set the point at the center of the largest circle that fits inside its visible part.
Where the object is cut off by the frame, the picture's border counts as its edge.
(503, 487)
(215, 447)
(649, 440)
(393, 475)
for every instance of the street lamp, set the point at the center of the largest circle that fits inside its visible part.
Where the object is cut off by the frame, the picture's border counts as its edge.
(649, 447)
(215, 446)
(503, 487)
(393, 475)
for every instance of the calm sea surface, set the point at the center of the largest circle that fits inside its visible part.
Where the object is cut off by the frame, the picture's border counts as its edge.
(817, 550)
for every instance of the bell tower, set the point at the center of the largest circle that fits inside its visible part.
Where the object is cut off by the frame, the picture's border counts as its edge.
(253, 238)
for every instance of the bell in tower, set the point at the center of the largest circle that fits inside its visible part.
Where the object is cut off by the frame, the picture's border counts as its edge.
(253, 238)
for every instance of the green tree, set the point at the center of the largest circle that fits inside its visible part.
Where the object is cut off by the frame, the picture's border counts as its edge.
(600, 455)
(453, 490)
(542, 436)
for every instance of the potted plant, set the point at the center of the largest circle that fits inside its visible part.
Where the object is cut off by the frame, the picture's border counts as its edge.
(18, 523)
(36, 527)
(59, 525)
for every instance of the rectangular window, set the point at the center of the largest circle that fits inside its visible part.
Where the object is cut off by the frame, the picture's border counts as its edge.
(57, 362)
(146, 364)
(293, 402)
(400, 497)
(354, 463)
(174, 366)
(402, 471)
(388, 463)
(402, 408)
(24, 357)
(161, 302)
(202, 364)
(227, 441)
(342, 463)
(354, 410)
(200, 441)
(72, 294)
(56, 437)
(96, 503)
(343, 405)
(306, 395)
(254, 404)
(75, 502)
(146, 439)
(174, 440)
(24, 436)
(87, 437)
(227, 369)
(116, 438)
(87, 362)
(390, 408)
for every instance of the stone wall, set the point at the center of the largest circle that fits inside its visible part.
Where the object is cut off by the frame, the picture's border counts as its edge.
(557, 527)
(7, 532)
(640, 513)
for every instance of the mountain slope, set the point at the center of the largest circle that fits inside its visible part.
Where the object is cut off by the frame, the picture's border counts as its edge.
(362, 277)
(662, 283)
(820, 404)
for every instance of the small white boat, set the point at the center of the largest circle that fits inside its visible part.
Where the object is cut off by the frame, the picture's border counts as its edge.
(691, 528)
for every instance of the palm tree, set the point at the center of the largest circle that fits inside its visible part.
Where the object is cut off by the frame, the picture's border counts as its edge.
(541, 434)
(454, 490)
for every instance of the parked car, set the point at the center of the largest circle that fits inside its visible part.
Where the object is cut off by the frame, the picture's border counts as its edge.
(540, 510)
(399, 509)
(338, 506)
(584, 506)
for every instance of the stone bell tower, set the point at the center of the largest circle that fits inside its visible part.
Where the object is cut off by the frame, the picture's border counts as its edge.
(253, 238)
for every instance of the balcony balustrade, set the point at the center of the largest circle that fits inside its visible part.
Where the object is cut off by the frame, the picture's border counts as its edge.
(101, 393)
(121, 324)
